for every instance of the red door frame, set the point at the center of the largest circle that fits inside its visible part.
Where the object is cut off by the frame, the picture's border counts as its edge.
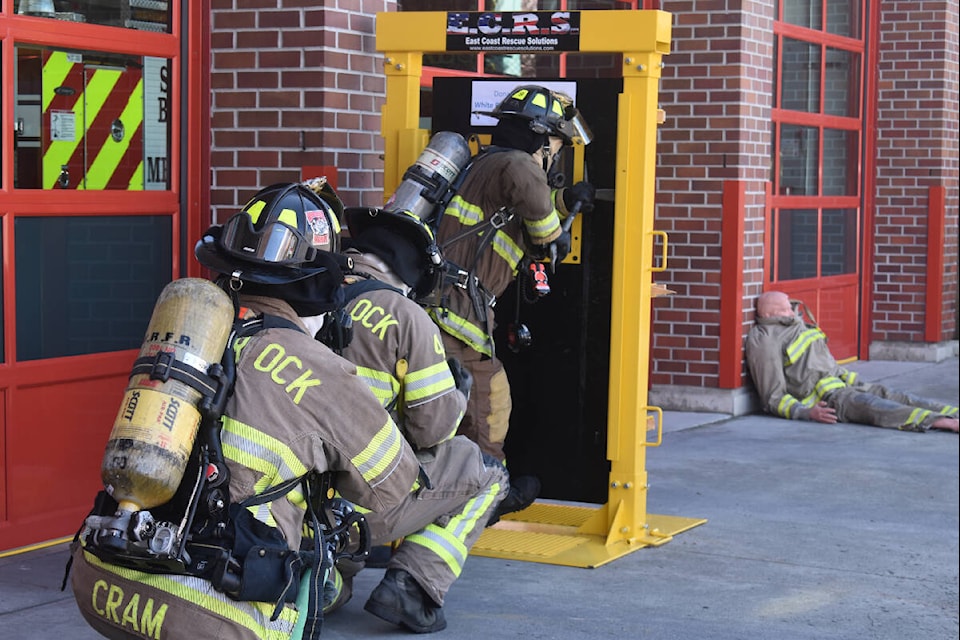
(871, 75)
(74, 399)
(809, 288)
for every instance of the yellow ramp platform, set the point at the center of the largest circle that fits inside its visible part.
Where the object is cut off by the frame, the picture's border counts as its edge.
(562, 534)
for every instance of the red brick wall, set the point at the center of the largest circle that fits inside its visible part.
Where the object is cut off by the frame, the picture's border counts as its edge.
(295, 83)
(716, 90)
(916, 147)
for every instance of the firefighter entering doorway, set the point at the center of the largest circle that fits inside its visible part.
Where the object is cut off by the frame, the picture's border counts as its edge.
(562, 534)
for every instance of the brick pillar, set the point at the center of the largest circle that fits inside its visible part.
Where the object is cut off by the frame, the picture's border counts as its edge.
(295, 86)
(716, 91)
(916, 149)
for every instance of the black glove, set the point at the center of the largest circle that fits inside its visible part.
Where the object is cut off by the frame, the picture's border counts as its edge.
(462, 377)
(584, 192)
(562, 245)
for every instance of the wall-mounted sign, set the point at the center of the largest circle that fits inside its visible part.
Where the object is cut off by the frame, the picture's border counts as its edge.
(513, 31)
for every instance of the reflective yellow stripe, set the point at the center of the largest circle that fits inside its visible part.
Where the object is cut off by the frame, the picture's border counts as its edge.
(850, 377)
(541, 229)
(917, 416)
(799, 346)
(254, 616)
(462, 329)
(111, 153)
(428, 383)
(466, 213)
(136, 179)
(506, 248)
(383, 385)
(381, 454)
(787, 405)
(55, 71)
(256, 450)
(448, 542)
(825, 385)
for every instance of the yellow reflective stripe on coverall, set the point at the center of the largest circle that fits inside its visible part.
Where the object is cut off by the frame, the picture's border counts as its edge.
(427, 383)
(382, 384)
(256, 450)
(463, 330)
(381, 455)
(254, 616)
(448, 542)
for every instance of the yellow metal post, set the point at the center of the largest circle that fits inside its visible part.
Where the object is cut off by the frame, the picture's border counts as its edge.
(556, 533)
(630, 312)
(400, 116)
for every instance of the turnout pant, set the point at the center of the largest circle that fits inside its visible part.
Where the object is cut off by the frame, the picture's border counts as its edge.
(487, 417)
(880, 406)
(440, 523)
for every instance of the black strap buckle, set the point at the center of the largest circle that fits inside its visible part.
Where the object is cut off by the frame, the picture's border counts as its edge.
(501, 217)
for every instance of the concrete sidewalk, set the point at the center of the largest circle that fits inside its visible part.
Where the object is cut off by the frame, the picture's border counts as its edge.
(813, 532)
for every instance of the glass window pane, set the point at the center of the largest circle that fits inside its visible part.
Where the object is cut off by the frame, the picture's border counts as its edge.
(87, 285)
(144, 15)
(799, 152)
(800, 76)
(840, 162)
(803, 13)
(91, 120)
(839, 240)
(843, 18)
(797, 244)
(842, 83)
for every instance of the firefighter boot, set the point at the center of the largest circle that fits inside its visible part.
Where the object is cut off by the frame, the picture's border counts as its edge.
(400, 600)
(523, 491)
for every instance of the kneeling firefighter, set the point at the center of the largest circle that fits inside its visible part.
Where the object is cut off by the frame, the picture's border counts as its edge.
(399, 352)
(298, 423)
(505, 194)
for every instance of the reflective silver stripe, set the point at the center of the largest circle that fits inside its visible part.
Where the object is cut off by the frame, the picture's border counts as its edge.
(263, 453)
(429, 383)
(466, 213)
(383, 385)
(463, 330)
(506, 248)
(381, 455)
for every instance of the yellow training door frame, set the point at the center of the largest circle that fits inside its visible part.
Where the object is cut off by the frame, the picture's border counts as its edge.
(556, 533)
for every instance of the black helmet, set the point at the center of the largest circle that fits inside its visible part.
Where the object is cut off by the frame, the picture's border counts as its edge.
(545, 111)
(285, 233)
(401, 239)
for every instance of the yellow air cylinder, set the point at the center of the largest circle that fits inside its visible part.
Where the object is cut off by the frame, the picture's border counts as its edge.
(157, 423)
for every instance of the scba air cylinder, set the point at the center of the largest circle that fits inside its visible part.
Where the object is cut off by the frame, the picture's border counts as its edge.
(157, 423)
(427, 180)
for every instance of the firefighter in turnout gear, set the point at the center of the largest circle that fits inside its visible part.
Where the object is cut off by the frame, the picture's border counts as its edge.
(399, 351)
(505, 193)
(797, 378)
(296, 408)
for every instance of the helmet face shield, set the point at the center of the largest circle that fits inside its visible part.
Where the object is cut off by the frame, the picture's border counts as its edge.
(276, 242)
(281, 235)
(578, 129)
